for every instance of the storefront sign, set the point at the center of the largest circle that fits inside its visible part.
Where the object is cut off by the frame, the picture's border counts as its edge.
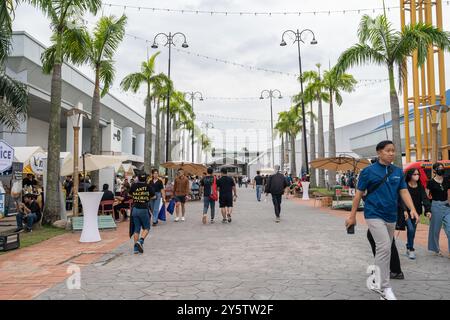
(37, 163)
(6, 156)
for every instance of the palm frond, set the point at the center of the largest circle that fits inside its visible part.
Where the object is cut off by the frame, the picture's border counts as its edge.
(132, 82)
(106, 73)
(13, 101)
(359, 54)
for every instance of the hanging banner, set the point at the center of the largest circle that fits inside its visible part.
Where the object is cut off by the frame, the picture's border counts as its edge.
(6, 156)
(37, 163)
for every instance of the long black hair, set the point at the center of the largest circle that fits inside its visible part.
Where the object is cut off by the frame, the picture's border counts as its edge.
(409, 174)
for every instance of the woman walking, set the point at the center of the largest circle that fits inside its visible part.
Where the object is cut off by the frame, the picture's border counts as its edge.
(437, 189)
(420, 200)
(158, 186)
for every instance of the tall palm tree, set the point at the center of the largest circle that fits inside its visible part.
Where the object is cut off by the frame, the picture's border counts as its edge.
(100, 51)
(182, 116)
(159, 93)
(13, 94)
(290, 122)
(380, 44)
(68, 40)
(315, 86)
(335, 83)
(133, 82)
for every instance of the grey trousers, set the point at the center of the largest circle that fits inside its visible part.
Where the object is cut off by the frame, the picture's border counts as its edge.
(383, 233)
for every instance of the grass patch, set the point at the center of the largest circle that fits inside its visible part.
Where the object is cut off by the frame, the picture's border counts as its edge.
(424, 220)
(38, 235)
(323, 191)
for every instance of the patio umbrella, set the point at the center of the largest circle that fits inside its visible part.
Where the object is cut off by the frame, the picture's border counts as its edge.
(91, 163)
(189, 168)
(341, 163)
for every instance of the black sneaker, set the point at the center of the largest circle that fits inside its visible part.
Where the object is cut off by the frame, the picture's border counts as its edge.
(397, 276)
(18, 230)
(229, 218)
(224, 220)
(140, 246)
(154, 224)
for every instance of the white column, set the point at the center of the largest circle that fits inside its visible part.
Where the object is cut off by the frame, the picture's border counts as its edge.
(69, 132)
(127, 140)
(140, 140)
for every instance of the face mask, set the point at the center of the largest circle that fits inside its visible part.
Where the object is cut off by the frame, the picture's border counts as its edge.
(440, 172)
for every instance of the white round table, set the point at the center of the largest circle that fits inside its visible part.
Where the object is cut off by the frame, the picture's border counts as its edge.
(90, 202)
(305, 187)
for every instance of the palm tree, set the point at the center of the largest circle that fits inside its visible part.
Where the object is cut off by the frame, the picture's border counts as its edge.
(380, 44)
(100, 51)
(181, 115)
(315, 87)
(68, 42)
(133, 82)
(290, 123)
(335, 83)
(13, 94)
(159, 93)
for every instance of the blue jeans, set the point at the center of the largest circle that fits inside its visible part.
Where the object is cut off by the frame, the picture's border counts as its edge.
(141, 219)
(31, 218)
(154, 206)
(411, 233)
(440, 214)
(206, 203)
(259, 190)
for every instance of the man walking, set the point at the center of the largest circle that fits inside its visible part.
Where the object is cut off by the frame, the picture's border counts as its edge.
(181, 190)
(276, 185)
(141, 193)
(258, 182)
(206, 189)
(226, 188)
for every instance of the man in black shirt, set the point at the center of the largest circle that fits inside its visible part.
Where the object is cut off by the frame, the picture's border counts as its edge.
(29, 212)
(259, 185)
(206, 189)
(142, 193)
(276, 185)
(68, 186)
(226, 188)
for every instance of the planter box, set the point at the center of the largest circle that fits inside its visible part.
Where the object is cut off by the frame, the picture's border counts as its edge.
(9, 242)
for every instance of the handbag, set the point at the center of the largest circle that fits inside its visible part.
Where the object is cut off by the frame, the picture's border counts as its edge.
(400, 225)
(162, 212)
(213, 196)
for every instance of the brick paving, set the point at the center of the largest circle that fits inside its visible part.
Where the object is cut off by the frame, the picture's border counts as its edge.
(306, 256)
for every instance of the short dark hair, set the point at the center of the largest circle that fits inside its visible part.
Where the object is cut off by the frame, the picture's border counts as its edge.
(210, 170)
(223, 170)
(29, 196)
(381, 145)
(142, 177)
(258, 172)
(410, 173)
(155, 170)
(92, 188)
(437, 165)
(105, 187)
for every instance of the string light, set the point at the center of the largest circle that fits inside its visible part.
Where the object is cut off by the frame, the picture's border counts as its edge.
(250, 13)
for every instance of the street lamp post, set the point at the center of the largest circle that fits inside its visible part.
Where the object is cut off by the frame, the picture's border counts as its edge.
(192, 96)
(271, 94)
(75, 115)
(298, 38)
(169, 41)
(435, 116)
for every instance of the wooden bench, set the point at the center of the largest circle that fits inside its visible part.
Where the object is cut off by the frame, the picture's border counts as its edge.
(104, 223)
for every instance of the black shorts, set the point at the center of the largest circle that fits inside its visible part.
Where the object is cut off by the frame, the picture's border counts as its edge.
(226, 202)
(181, 199)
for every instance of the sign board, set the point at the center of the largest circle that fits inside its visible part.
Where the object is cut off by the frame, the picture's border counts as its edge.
(37, 163)
(352, 192)
(6, 156)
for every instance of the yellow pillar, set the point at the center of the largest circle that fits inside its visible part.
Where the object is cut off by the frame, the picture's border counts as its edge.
(416, 94)
(441, 66)
(431, 78)
(405, 96)
(424, 99)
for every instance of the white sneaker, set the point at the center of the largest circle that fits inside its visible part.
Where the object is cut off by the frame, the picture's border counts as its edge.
(177, 219)
(388, 294)
(411, 255)
(182, 219)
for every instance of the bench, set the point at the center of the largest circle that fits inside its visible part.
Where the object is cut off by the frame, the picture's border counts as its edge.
(104, 223)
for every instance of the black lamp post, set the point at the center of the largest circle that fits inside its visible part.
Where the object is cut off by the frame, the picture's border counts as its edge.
(192, 96)
(271, 94)
(298, 38)
(169, 41)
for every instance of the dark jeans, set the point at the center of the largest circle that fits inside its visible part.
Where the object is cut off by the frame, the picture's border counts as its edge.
(395, 259)
(276, 199)
(411, 233)
(117, 210)
(30, 219)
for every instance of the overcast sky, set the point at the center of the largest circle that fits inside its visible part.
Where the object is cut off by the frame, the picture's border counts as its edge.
(251, 40)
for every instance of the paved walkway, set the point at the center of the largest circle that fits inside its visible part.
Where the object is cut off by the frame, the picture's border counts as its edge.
(306, 256)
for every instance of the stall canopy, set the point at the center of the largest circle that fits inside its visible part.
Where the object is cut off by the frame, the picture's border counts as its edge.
(32, 159)
(189, 168)
(125, 168)
(267, 171)
(92, 163)
(341, 163)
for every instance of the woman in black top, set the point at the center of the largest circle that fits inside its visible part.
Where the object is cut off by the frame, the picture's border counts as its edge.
(420, 200)
(158, 185)
(437, 189)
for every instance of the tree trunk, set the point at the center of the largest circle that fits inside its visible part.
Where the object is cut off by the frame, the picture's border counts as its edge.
(331, 142)
(312, 146)
(148, 133)
(163, 133)
(95, 124)
(286, 148)
(52, 191)
(395, 114)
(173, 152)
(282, 153)
(293, 165)
(321, 142)
(158, 135)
